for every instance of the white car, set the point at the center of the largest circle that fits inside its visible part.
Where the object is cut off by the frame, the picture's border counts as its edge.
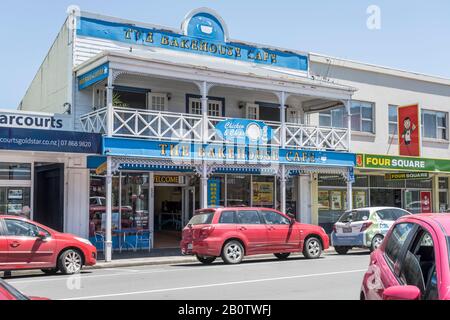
(364, 228)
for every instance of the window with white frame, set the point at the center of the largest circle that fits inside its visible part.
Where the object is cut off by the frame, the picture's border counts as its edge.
(434, 124)
(334, 118)
(215, 107)
(393, 119)
(362, 116)
(157, 101)
(252, 111)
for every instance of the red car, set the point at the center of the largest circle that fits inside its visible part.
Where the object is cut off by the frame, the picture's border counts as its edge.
(232, 233)
(413, 261)
(25, 244)
(8, 292)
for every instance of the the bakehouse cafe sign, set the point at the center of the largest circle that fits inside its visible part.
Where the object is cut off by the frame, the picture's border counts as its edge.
(203, 33)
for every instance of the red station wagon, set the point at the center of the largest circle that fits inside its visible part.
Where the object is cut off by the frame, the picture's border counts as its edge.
(232, 233)
(25, 244)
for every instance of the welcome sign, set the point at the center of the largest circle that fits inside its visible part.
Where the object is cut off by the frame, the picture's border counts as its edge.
(203, 33)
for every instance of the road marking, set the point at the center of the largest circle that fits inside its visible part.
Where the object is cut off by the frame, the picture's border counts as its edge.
(216, 285)
(248, 263)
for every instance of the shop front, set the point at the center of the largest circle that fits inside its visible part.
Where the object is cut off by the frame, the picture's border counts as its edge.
(418, 185)
(160, 190)
(42, 167)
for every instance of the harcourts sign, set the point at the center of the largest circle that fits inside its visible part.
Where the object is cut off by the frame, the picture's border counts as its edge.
(402, 163)
(15, 119)
(203, 32)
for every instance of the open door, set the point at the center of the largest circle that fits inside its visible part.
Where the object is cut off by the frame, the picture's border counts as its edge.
(49, 195)
(188, 205)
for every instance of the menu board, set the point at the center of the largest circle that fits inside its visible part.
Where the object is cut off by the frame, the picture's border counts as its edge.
(336, 200)
(263, 193)
(324, 200)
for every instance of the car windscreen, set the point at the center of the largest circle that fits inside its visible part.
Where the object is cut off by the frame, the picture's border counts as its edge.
(202, 218)
(355, 216)
(13, 291)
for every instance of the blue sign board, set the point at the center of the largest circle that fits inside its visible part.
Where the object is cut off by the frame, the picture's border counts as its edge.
(50, 141)
(243, 131)
(224, 153)
(204, 34)
(214, 192)
(92, 77)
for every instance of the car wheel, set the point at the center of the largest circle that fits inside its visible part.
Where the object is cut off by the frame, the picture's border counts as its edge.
(313, 248)
(342, 250)
(282, 256)
(50, 271)
(376, 242)
(233, 252)
(206, 260)
(70, 262)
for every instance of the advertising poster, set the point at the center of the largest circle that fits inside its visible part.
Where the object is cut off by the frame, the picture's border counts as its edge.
(15, 194)
(263, 193)
(115, 221)
(336, 200)
(324, 200)
(409, 131)
(213, 193)
(425, 202)
(360, 199)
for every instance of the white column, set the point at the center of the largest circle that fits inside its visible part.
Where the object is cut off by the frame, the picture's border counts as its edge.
(109, 104)
(151, 207)
(283, 180)
(349, 123)
(282, 100)
(349, 191)
(108, 226)
(204, 187)
(204, 99)
(304, 196)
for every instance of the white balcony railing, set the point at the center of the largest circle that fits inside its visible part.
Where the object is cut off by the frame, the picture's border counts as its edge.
(156, 125)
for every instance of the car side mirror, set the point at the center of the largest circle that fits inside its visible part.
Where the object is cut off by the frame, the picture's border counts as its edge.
(41, 235)
(402, 293)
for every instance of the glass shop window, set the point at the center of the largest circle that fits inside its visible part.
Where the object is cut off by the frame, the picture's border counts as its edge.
(238, 191)
(15, 171)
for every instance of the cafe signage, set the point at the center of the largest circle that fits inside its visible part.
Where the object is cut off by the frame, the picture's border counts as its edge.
(370, 161)
(223, 153)
(94, 76)
(242, 131)
(407, 176)
(202, 33)
(169, 180)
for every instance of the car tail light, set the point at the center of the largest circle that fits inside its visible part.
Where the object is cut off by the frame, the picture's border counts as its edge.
(334, 229)
(366, 226)
(205, 232)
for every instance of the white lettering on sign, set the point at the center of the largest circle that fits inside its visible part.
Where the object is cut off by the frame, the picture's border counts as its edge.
(408, 163)
(31, 121)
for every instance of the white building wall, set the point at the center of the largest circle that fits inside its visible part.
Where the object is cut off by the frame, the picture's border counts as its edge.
(51, 88)
(385, 90)
(76, 217)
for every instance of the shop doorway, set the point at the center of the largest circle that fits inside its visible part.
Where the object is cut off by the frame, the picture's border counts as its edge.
(48, 194)
(168, 216)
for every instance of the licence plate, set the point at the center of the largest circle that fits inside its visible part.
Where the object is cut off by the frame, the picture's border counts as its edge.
(347, 230)
(190, 246)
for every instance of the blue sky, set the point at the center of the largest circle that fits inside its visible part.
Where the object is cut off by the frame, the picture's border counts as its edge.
(413, 36)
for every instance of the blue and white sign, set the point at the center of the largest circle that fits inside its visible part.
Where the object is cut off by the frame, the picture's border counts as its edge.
(223, 153)
(94, 76)
(202, 33)
(50, 141)
(243, 131)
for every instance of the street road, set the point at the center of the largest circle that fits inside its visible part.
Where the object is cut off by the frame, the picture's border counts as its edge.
(329, 278)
